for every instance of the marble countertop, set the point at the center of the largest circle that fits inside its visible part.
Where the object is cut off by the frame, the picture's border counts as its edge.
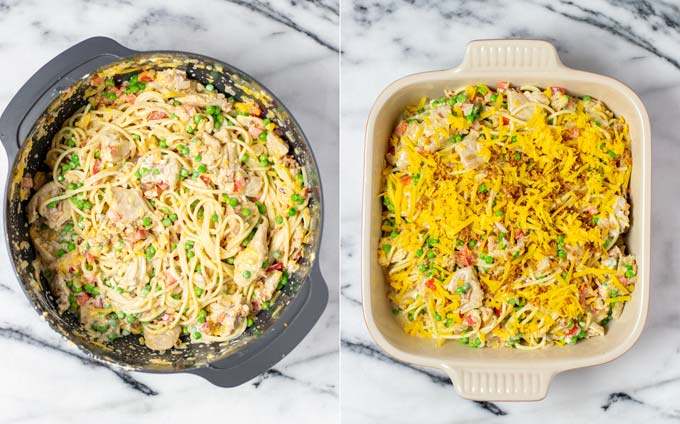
(635, 42)
(290, 47)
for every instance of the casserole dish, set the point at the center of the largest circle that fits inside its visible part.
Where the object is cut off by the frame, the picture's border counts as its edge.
(503, 374)
(27, 126)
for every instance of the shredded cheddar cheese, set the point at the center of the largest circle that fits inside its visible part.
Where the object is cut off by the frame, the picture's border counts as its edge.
(504, 216)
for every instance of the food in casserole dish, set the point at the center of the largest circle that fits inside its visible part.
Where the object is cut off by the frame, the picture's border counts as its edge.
(171, 211)
(503, 217)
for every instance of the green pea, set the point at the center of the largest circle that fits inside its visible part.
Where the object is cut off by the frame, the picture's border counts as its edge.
(150, 252)
(210, 87)
(230, 261)
(246, 274)
(245, 212)
(278, 220)
(202, 168)
(276, 255)
(233, 202)
(292, 212)
(265, 306)
(156, 171)
(166, 222)
(190, 129)
(197, 335)
(483, 188)
(387, 248)
(245, 158)
(162, 144)
(198, 291)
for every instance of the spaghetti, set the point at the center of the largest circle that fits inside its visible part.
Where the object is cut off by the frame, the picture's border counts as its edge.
(503, 217)
(171, 210)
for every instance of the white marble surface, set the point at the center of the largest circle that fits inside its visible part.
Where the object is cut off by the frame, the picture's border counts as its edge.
(291, 47)
(636, 43)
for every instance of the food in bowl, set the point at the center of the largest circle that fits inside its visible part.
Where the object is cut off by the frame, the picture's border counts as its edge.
(504, 215)
(171, 211)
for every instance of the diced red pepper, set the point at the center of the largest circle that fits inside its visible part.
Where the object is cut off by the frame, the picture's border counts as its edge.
(273, 267)
(430, 284)
(557, 90)
(574, 330)
(506, 121)
(503, 85)
(82, 298)
(238, 185)
(255, 131)
(406, 179)
(137, 235)
(97, 167)
(205, 179)
(144, 77)
(464, 256)
(401, 128)
(157, 114)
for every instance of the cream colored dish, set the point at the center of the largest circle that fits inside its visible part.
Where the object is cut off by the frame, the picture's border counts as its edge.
(504, 374)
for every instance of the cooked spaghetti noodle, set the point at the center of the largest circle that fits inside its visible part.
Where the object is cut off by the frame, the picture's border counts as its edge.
(170, 210)
(503, 217)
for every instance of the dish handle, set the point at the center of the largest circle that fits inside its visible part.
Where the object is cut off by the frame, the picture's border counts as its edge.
(289, 333)
(47, 83)
(510, 55)
(500, 384)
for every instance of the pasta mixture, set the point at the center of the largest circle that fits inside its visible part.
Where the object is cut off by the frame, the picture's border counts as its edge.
(504, 211)
(170, 210)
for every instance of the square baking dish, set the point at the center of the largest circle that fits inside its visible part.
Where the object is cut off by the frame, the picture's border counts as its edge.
(504, 374)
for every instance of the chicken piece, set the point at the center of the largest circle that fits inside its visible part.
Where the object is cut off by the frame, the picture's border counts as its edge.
(249, 260)
(225, 314)
(167, 175)
(517, 100)
(114, 148)
(135, 273)
(559, 100)
(170, 80)
(57, 215)
(279, 241)
(595, 329)
(204, 100)
(537, 96)
(212, 154)
(468, 149)
(58, 287)
(126, 205)
(471, 298)
(163, 341)
(254, 186)
(276, 146)
(401, 159)
(265, 289)
(617, 223)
